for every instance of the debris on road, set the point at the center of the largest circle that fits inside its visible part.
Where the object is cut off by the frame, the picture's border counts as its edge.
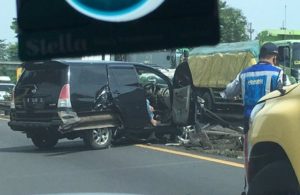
(212, 139)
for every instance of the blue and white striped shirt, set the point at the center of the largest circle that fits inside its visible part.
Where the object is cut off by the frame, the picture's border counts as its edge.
(255, 82)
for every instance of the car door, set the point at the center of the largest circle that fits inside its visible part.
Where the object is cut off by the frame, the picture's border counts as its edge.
(183, 106)
(128, 95)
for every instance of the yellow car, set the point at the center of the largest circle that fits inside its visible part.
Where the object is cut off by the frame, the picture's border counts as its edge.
(273, 148)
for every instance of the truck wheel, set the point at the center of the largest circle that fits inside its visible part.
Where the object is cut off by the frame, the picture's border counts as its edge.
(209, 104)
(276, 178)
(44, 140)
(98, 138)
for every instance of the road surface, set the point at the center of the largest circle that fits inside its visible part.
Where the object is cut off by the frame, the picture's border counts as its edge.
(132, 169)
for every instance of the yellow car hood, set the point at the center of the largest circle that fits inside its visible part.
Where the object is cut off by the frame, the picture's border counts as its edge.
(277, 93)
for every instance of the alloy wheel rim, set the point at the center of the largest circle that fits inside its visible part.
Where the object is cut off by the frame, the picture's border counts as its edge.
(101, 136)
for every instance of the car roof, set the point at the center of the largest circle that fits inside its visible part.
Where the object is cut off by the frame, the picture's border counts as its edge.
(71, 62)
(99, 63)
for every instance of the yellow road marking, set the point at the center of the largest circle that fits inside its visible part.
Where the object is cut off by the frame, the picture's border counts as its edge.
(4, 119)
(224, 162)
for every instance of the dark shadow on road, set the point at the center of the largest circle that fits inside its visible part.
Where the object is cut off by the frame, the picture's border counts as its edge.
(65, 148)
(132, 141)
(60, 149)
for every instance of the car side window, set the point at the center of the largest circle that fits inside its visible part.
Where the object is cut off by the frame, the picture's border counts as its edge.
(146, 77)
(123, 76)
(87, 79)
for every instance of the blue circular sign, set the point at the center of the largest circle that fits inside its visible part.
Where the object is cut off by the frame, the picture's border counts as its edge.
(115, 10)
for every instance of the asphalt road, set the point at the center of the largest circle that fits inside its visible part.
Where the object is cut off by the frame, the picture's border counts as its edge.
(71, 168)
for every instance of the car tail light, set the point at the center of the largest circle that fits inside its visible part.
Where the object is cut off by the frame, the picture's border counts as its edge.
(64, 97)
(12, 103)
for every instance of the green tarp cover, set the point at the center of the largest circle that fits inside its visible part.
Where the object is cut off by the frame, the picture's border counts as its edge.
(247, 46)
(215, 67)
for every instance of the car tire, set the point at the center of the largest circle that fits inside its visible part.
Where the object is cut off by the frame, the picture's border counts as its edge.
(276, 178)
(44, 140)
(98, 138)
(209, 104)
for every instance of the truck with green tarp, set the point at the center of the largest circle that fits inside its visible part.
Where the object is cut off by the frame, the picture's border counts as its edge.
(214, 67)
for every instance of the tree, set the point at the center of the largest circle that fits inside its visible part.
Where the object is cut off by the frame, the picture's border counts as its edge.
(3, 46)
(233, 24)
(12, 52)
(14, 25)
(12, 48)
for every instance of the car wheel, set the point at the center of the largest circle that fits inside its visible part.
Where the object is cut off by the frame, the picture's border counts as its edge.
(98, 138)
(276, 178)
(44, 140)
(208, 101)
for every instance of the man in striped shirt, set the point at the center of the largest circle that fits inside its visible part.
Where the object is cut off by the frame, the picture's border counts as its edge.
(256, 81)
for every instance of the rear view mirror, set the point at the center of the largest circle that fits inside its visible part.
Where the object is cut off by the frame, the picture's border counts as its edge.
(72, 28)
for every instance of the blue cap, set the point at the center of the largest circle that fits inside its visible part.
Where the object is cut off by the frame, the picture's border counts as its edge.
(268, 49)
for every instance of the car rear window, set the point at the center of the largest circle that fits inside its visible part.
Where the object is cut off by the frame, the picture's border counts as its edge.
(44, 76)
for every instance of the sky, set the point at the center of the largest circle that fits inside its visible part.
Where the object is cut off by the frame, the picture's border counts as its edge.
(7, 13)
(263, 14)
(269, 14)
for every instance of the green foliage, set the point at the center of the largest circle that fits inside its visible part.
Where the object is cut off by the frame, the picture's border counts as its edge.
(3, 54)
(14, 25)
(233, 24)
(13, 77)
(5, 72)
(12, 52)
(9, 52)
(11, 49)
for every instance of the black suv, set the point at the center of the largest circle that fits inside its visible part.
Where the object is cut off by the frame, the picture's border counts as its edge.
(96, 101)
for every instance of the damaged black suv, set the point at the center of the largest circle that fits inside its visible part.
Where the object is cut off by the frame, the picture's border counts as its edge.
(96, 101)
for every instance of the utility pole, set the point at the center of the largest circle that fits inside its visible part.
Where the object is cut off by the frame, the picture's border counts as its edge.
(285, 22)
(250, 30)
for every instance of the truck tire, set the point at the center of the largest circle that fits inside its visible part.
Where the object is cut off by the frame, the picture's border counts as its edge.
(98, 138)
(44, 140)
(276, 178)
(209, 104)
